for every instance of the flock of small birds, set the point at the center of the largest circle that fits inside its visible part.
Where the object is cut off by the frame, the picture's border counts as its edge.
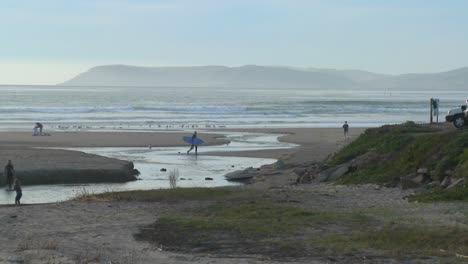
(122, 126)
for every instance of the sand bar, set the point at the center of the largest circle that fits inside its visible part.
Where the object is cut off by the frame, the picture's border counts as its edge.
(37, 165)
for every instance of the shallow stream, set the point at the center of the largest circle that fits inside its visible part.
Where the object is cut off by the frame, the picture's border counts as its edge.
(149, 161)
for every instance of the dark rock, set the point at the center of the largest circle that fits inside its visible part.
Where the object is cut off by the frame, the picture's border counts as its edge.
(434, 185)
(280, 165)
(242, 175)
(455, 183)
(339, 172)
(308, 176)
(415, 180)
(208, 179)
(410, 181)
(163, 169)
(300, 171)
(333, 173)
(446, 181)
(423, 171)
(15, 259)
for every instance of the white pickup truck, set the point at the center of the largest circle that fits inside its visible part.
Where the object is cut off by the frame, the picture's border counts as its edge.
(458, 116)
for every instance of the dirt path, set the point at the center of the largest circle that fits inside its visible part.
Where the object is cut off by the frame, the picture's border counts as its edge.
(89, 232)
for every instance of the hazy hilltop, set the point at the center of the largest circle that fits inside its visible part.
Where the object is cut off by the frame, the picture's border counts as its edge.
(252, 76)
(208, 76)
(454, 80)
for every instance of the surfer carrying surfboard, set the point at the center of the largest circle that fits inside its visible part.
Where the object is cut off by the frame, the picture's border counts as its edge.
(194, 136)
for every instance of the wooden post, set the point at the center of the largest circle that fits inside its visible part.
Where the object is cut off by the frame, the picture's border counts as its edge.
(430, 105)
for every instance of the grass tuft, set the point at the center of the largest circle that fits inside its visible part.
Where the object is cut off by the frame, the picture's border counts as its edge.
(169, 195)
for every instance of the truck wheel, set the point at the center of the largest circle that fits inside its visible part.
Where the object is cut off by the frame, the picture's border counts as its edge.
(459, 121)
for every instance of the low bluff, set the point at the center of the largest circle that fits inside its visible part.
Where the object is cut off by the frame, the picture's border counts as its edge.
(36, 166)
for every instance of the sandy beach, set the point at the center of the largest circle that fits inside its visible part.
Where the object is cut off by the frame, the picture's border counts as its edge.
(102, 139)
(110, 226)
(314, 144)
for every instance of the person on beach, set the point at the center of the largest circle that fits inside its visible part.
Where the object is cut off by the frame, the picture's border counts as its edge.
(39, 126)
(9, 174)
(194, 136)
(346, 129)
(19, 191)
(36, 132)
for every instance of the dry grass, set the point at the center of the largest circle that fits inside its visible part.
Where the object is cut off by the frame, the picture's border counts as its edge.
(85, 195)
(29, 243)
(173, 178)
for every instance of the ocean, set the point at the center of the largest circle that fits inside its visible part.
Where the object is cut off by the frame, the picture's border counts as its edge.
(94, 108)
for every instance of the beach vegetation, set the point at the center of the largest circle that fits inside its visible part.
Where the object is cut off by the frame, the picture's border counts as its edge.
(169, 195)
(399, 240)
(385, 139)
(402, 150)
(254, 224)
(458, 193)
(173, 178)
(245, 228)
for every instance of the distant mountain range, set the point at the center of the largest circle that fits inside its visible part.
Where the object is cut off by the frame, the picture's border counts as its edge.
(252, 76)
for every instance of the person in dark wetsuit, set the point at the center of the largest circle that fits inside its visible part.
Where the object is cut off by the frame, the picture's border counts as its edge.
(39, 125)
(346, 129)
(9, 174)
(194, 136)
(19, 191)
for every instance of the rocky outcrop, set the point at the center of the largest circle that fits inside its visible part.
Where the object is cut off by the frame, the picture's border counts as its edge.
(456, 183)
(321, 173)
(242, 175)
(415, 180)
(307, 174)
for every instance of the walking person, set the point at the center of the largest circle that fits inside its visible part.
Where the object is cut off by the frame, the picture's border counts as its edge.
(194, 136)
(19, 191)
(346, 130)
(9, 172)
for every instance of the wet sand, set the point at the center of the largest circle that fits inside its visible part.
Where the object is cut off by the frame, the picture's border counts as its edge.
(102, 139)
(314, 144)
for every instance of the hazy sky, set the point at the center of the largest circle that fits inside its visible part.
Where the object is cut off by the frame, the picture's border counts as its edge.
(49, 41)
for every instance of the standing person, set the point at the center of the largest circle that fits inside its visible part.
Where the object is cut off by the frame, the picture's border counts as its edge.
(194, 136)
(39, 125)
(9, 174)
(346, 129)
(19, 191)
